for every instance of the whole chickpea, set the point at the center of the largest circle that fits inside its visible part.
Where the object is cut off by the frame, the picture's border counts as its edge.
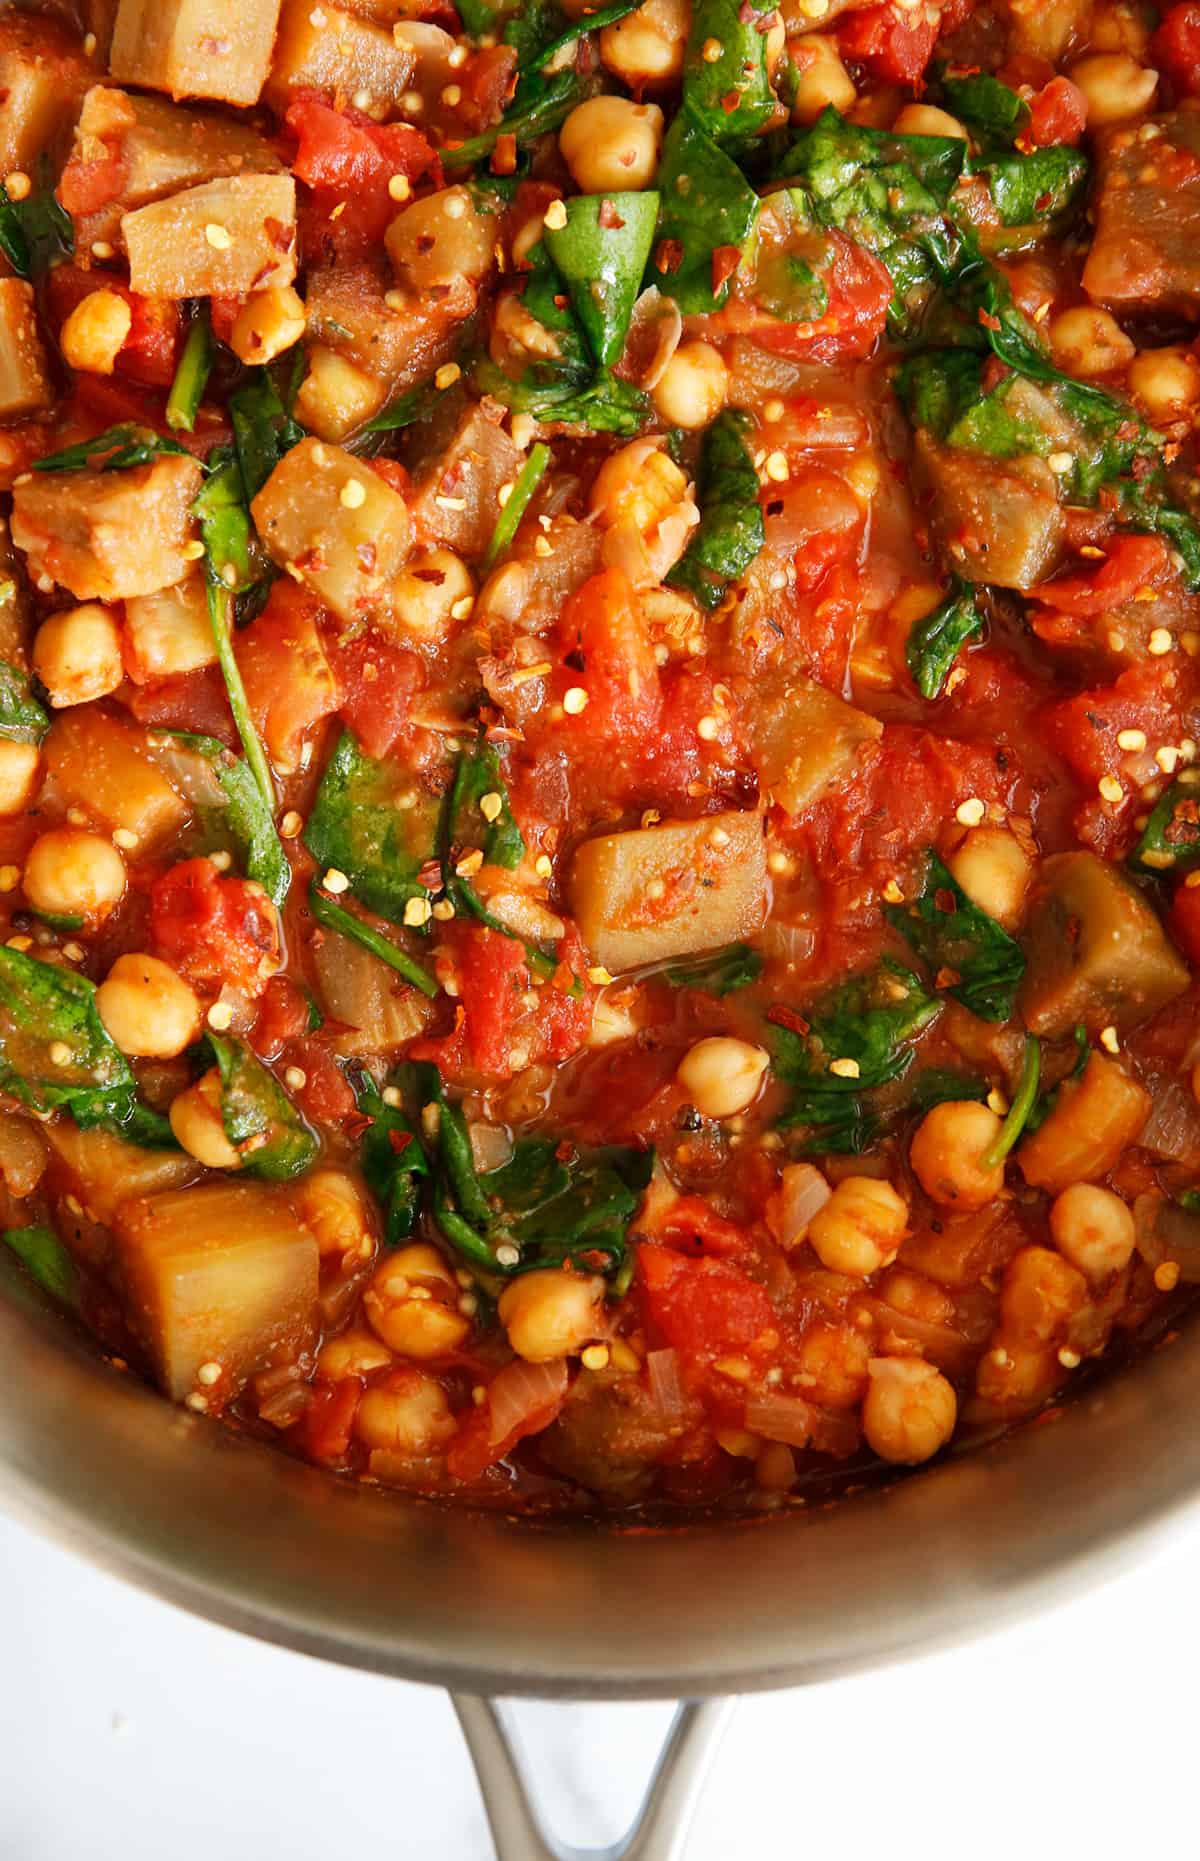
(1014, 1377)
(195, 1118)
(947, 1151)
(426, 593)
(1166, 382)
(147, 1008)
(1040, 1294)
(94, 333)
(822, 80)
(551, 1313)
(611, 144)
(1116, 87)
(330, 1204)
(444, 243)
(1090, 342)
(355, 1352)
(20, 775)
(407, 1414)
(1093, 1229)
(860, 1228)
(268, 323)
(641, 495)
(835, 1358)
(925, 119)
(909, 1411)
(412, 1304)
(722, 1076)
(77, 654)
(994, 871)
(647, 47)
(70, 873)
(693, 387)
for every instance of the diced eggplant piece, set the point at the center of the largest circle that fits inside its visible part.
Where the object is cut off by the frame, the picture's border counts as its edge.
(805, 738)
(1097, 954)
(99, 764)
(42, 78)
(1095, 1119)
(326, 49)
(376, 1010)
(195, 48)
(441, 248)
(336, 397)
(1046, 28)
(998, 521)
(345, 544)
(658, 892)
(1145, 255)
(106, 1172)
(155, 149)
(16, 605)
(222, 239)
(457, 499)
(397, 343)
(25, 385)
(109, 535)
(223, 1273)
(169, 632)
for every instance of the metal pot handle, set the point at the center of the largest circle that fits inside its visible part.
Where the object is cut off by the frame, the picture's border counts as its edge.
(661, 1825)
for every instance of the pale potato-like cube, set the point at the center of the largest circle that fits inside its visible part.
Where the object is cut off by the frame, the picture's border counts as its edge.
(109, 535)
(223, 1274)
(1094, 1120)
(99, 764)
(328, 518)
(169, 632)
(106, 1171)
(324, 48)
(160, 149)
(41, 81)
(654, 893)
(222, 239)
(195, 48)
(804, 738)
(25, 385)
(456, 499)
(336, 397)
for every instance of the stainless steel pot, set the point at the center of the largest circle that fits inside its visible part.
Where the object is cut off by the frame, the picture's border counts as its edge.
(485, 1604)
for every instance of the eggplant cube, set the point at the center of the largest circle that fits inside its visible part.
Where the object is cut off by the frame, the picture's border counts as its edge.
(224, 238)
(224, 1274)
(326, 49)
(25, 386)
(654, 893)
(334, 524)
(109, 535)
(195, 48)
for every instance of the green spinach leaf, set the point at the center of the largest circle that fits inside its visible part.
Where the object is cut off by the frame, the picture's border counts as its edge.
(118, 449)
(360, 826)
(260, 1120)
(1170, 840)
(734, 968)
(335, 917)
(393, 1161)
(601, 254)
(55, 1053)
(250, 822)
(708, 213)
(935, 642)
(263, 430)
(191, 376)
(34, 232)
(22, 719)
(725, 81)
(730, 532)
(972, 956)
(47, 1261)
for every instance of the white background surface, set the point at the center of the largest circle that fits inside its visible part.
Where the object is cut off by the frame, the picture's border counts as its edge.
(131, 1732)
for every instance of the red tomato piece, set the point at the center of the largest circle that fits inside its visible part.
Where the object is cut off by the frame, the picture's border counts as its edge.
(522, 1399)
(860, 289)
(88, 185)
(376, 683)
(1084, 729)
(324, 1430)
(1175, 47)
(289, 684)
(213, 927)
(703, 1308)
(492, 977)
(602, 623)
(326, 1097)
(283, 1015)
(149, 352)
(186, 701)
(892, 45)
(1132, 563)
(1185, 923)
(1057, 114)
(566, 1004)
(347, 160)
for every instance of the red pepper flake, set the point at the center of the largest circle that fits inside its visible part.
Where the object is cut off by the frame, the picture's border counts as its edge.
(399, 1141)
(725, 261)
(565, 1151)
(783, 1016)
(731, 101)
(945, 900)
(504, 155)
(608, 217)
(668, 255)
(430, 875)
(988, 321)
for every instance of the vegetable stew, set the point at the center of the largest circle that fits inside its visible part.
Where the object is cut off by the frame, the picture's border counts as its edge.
(599, 700)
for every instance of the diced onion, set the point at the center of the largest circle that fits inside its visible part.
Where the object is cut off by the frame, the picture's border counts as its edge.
(663, 320)
(1173, 1127)
(665, 1387)
(22, 1155)
(282, 1395)
(524, 1397)
(802, 1193)
(491, 1145)
(781, 1418)
(1166, 1232)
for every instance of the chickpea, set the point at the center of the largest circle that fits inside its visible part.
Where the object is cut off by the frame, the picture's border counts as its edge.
(946, 1155)
(77, 654)
(1121, 28)
(925, 119)
(516, 334)
(195, 1118)
(355, 1352)
(833, 1365)
(407, 1414)
(1115, 86)
(330, 1204)
(1090, 342)
(909, 1411)
(426, 593)
(611, 144)
(148, 1009)
(94, 334)
(20, 775)
(412, 1304)
(1040, 1295)
(821, 78)
(1093, 1229)
(994, 871)
(267, 323)
(70, 873)
(1166, 382)
(1015, 1378)
(693, 387)
(647, 47)
(641, 495)
(551, 1313)
(775, 1467)
(722, 1076)
(335, 397)
(860, 1228)
(444, 244)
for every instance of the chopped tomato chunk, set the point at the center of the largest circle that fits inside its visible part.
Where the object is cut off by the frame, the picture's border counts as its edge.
(704, 1307)
(348, 160)
(1175, 47)
(214, 927)
(1057, 114)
